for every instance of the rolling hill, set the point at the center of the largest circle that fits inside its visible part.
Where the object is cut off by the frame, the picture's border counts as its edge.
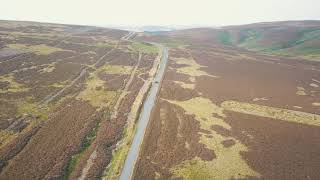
(287, 38)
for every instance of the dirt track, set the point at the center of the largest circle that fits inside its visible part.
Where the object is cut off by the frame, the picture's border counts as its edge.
(126, 88)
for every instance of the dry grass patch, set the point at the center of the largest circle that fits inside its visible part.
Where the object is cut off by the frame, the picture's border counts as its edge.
(144, 48)
(260, 99)
(41, 49)
(228, 163)
(41, 36)
(24, 107)
(59, 84)
(301, 91)
(25, 69)
(315, 80)
(314, 85)
(90, 53)
(7, 136)
(108, 43)
(273, 112)
(116, 69)
(297, 107)
(27, 107)
(185, 85)
(192, 68)
(95, 93)
(13, 85)
(50, 68)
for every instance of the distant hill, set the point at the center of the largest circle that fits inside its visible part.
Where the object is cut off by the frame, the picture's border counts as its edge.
(300, 38)
(144, 28)
(287, 38)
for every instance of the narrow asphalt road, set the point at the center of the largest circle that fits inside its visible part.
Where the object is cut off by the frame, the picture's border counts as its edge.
(148, 104)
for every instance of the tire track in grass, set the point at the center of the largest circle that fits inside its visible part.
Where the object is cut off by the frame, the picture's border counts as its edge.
(125, 90)
(93, 155)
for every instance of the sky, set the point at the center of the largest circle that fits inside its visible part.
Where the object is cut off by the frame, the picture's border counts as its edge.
(159, 12)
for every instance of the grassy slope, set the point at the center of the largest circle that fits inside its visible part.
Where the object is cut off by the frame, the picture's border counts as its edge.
(286, 38)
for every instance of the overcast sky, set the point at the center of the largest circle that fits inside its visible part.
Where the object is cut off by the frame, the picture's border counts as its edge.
(159, 12)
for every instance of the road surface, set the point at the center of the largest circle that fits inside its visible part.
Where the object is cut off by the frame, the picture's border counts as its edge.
(144, 117)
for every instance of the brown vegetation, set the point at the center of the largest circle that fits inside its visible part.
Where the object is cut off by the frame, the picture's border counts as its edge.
(58, 87)
(194, 133)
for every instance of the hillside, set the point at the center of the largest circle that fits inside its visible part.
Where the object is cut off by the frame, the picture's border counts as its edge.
(84, 102)
(289, 38)
(225, 112)
(65, 95)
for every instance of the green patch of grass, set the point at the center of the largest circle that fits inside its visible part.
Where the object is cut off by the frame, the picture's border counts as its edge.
(119, 156)
(272, 48)
(293, 47)
(144, 48)
(41, 49)
(249, 37)
(25, 106)
(89, 138)
(71, 165)
(308, 34)
(84, 146)
(308, 51)
(118, 159)
(225, 38)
